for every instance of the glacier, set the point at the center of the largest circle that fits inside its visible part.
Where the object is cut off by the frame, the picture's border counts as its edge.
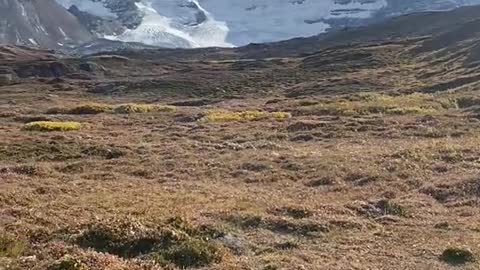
(228, 23)
(158, 29)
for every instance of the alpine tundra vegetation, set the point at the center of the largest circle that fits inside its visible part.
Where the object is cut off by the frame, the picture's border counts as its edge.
(357, 148)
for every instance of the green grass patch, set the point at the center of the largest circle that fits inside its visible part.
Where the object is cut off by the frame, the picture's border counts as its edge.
(10, 246)
(52, 126)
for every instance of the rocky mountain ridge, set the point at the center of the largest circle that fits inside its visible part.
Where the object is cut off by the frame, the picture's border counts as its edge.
(120, 24)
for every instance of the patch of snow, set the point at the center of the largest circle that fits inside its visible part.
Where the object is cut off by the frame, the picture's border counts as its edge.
(157, 29)
(24, 13)
(33, 41)
(61, 31)
(238, 22)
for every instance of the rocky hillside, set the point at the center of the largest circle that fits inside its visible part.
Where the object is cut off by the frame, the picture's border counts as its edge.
(40, 23)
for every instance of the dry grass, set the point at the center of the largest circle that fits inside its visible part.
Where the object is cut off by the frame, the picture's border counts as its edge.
(255, 193)
(52, 126)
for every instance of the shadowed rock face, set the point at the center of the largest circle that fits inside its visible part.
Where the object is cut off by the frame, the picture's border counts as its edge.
(39, 23)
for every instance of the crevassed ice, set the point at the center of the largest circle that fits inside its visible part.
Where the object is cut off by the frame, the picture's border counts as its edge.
(157, 29)
(227, 23)
(273, 20)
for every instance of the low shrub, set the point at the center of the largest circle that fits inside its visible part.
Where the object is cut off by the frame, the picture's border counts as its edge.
(456, 256)
(31, 118)
(143, 108)
(365, 104)
(52, 126)
(391, 208)
(293, 212)
(10, 246)
(93, 108)
(226, 116)
(97, 108)
(176, 242)
(191, 253)
(67, 263)
(468, 101)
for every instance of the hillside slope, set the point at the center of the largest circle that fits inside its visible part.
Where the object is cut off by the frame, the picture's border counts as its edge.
(441, 54)
(39, 23)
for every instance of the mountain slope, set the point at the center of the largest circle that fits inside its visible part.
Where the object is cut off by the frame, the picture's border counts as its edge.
(442, 56)
(202, 23)
(41, 23)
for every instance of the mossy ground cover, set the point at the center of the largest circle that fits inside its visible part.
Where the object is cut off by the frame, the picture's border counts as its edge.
(53, 126)
(229, 116)
(372, 103)
(98, 108)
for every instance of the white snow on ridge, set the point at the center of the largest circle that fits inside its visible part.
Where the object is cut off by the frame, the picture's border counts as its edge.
(273, 20)
(226, 23)
(239, 22)
(33, 41)
(157, 29)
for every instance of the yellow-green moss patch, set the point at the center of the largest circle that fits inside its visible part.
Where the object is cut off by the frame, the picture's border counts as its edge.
(97, 108)
(226, 116)
(53, 126)
(143, 108)
(369, 103)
